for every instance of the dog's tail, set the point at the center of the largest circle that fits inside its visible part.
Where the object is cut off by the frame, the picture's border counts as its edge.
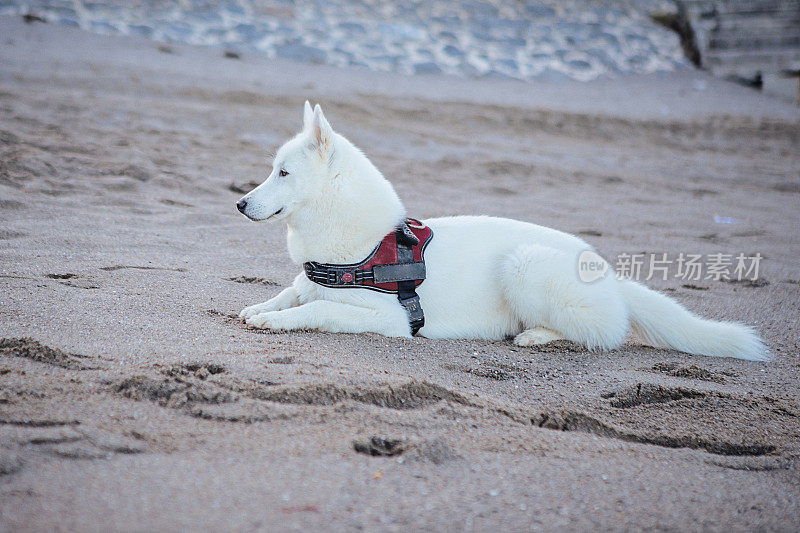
(662, 322)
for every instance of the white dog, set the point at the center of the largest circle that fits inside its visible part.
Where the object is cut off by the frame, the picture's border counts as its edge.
(487, 278)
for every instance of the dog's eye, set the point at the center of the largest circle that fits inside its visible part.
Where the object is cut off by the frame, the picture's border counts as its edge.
(283, 173)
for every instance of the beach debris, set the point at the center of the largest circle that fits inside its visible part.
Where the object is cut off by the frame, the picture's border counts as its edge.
(282, 360)
(176, 203)
(250, 279)
(434, 450)
(31, 18)
(68, 275)
(300, 509)
(379, 446)
(200, 369)
(694, 287)
(758, 282)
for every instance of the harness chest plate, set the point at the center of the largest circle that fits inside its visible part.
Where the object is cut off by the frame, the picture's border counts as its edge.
(395, 266)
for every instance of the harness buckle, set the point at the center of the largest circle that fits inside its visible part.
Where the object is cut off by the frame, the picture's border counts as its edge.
(416, 317)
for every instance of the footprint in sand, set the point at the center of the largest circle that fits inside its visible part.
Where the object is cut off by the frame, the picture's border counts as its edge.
(73, 280)
(248, 279)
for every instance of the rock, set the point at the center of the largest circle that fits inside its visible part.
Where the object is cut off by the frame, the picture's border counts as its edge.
(509, 64)
(631, 37)
(140, 29)
(233, 7)
(480, 9)
(205, 17)
(246, 31)
(301, 52)
(178, 32)
(481, 34)
(610, 39)
(352, 28)
(633, 63)
(390, 61)
(104, 27)
(429, 67)
(215, 35)
(579, 64)
(595, 29)
(600, 54)
(347, 56)
(401, 31)
(572, 29)
(513, 25)
(449, 21)
(539, 11)
(448, 36)
(512, 41)
(453, 51)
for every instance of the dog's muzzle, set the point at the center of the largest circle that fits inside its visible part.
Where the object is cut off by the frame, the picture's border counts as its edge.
(241, 205)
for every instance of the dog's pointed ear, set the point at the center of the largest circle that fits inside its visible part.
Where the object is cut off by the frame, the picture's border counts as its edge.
(308, 114)
(321, 131)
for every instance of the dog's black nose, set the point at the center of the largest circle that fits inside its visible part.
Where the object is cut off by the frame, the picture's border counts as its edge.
(241, 205)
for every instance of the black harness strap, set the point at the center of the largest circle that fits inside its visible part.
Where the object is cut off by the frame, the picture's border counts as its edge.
(406, 287)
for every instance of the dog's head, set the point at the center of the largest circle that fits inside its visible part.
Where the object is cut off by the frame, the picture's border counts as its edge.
(300, 171)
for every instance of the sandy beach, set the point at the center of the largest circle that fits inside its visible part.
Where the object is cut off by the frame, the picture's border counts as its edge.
(132, 399)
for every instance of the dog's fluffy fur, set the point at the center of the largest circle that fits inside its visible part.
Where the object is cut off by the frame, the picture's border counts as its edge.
(487, 278)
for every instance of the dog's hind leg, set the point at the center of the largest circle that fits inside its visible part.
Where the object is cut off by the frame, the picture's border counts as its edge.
(537, 335)
(542, 287)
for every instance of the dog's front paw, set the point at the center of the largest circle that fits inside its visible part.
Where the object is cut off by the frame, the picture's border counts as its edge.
(252, 311)
(270, 320)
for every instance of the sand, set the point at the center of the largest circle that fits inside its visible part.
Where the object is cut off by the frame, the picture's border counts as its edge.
(132, 399)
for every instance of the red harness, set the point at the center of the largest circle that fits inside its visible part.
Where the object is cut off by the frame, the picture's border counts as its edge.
(395, 266)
